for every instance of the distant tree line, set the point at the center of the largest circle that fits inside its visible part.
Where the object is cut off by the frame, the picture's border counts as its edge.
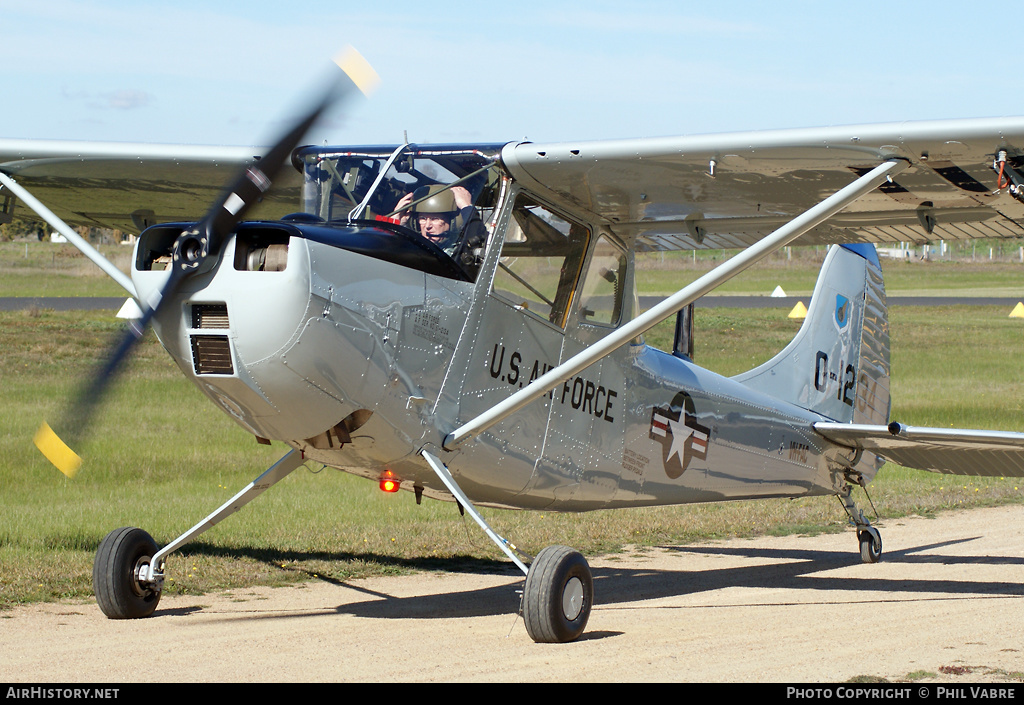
(22, 228)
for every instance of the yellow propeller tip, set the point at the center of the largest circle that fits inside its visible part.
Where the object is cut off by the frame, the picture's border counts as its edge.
(57, 451)
(358, 69)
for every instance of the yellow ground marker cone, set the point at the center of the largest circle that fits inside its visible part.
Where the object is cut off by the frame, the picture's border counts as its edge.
(57, 451)
(799, 311)
(1018, 310)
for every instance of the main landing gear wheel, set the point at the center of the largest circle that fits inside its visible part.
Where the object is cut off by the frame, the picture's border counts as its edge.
(120, 559)
(870, 545)
(558, 594)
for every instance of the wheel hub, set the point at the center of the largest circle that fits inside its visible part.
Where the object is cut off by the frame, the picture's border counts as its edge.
(139, 586)
(572, 598)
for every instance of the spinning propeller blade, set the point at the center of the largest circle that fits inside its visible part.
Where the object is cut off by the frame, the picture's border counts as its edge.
(196, 250)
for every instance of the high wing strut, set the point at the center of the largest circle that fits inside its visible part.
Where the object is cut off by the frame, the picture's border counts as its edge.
(642, 323)
(74, 238)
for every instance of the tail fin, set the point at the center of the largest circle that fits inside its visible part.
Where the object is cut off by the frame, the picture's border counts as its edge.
(838, 363)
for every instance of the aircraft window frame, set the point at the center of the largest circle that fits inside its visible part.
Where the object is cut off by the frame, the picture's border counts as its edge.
(337, 181)
(373, 185)
(541, 261)
(604, 268)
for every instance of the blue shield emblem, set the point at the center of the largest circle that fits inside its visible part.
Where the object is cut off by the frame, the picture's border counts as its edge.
(842, 311)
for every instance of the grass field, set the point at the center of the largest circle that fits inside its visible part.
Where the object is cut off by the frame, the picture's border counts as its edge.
(51, 269)
(664, 274)
(162, 457)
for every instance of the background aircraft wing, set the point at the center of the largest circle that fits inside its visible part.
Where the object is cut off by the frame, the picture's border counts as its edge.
(729, 190)
(944, 450)
(130, 186)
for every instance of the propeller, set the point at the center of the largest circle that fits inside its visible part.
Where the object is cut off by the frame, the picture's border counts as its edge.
(195, 251)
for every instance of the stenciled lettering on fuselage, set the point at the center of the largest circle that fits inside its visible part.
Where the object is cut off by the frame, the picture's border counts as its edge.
(682, 439)
(578, 392)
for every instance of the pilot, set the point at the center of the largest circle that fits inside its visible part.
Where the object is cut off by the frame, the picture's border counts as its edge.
(448, 219)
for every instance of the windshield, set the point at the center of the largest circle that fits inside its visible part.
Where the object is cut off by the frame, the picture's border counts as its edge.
(344, 184)
(445, 195)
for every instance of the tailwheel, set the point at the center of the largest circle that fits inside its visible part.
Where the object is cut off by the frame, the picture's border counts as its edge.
(870, 545)
(558, 595)
(117, 572)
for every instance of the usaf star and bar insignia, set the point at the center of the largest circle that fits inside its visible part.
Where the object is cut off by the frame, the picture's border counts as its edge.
(682, 439)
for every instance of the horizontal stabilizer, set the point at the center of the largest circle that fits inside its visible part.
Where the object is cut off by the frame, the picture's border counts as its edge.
(945, 450)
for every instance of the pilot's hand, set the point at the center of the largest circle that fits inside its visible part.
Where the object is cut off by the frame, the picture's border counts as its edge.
(405, 201)
(462, 197)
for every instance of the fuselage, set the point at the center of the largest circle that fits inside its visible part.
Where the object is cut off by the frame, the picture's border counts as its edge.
(355, 344)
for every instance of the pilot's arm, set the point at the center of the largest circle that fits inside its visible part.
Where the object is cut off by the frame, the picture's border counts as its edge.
(474, 234)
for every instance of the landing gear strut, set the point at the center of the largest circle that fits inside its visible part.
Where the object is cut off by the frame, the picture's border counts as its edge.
(559, 587)
(870, 539)
(128, 574)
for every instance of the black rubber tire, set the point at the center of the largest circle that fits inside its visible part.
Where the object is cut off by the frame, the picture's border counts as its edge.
(870, 545)
(557, 572)
(114, 574)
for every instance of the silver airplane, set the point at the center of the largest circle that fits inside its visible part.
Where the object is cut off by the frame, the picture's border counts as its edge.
(462, 322)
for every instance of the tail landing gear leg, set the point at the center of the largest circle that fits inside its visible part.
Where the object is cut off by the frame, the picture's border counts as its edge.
(870, 539)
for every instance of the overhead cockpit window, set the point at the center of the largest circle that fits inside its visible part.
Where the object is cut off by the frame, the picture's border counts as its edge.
(540, 261)
(445, 195)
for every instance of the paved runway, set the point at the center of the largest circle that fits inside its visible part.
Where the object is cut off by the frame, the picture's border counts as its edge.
(79, 303)
(790, 301)
(62, 303)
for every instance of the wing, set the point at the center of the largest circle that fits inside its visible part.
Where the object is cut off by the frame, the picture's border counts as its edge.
(729, 190)
(130, 186)
(944, 450)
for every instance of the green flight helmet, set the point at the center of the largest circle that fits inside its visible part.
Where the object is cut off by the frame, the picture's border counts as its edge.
(440, 201)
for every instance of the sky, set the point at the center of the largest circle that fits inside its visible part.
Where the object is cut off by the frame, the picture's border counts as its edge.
(234, 72)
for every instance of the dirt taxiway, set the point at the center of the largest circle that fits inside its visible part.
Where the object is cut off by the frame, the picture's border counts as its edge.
(946, 599)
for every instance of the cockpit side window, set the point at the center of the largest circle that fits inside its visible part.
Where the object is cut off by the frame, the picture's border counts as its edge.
(602, 293)
(540, 262)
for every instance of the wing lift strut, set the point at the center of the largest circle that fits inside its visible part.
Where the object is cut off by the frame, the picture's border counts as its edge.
(74, 238)
(778, 239)
(559, 587)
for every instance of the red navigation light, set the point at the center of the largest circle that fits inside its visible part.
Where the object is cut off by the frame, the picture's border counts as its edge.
(389, 483)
